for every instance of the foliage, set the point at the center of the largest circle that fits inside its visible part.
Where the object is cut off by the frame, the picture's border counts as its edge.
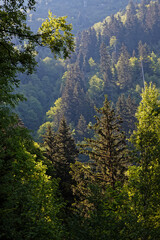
(107, 150)
(60, 150)
(18, 45)
(96, 87)
(143, 183)
(57, 34)
(29, 199)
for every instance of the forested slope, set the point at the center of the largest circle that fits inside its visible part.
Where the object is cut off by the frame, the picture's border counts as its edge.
(44, 87)
(114, 59)
(46, 192)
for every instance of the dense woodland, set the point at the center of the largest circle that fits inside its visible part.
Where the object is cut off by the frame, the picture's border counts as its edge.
(44, 87)
(94, 174)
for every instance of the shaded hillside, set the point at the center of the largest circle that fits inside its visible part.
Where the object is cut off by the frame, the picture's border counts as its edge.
(44, 87)
(114, 61)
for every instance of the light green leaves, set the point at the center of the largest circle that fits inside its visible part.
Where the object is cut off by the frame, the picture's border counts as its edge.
(56, 34)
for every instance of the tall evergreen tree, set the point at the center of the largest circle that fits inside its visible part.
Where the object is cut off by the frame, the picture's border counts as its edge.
(126, 109)
(123, 69)
(131, 26)
(62, 153)
(49, 150)
(105, 64)
(74, 100)
(81, 129)
(107, 150)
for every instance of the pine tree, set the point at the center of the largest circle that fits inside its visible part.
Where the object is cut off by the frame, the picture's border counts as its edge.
(81, 129)
(107, 150)
(113, 28)
(74, 100)
(143, 52)
(131, 12)
(64, 152)
(126, 108)
(123, 69)
(131, 26)
(83, 177)
(105, 64)
(49, 150)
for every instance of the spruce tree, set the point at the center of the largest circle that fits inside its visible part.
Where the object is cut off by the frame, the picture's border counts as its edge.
(74, 99)
(49, 150)
(126, 108)
(131, 26)
(105, 64)
(49, 143)
(124, 69)
(81, 129)
(62, 153)
(107, 150)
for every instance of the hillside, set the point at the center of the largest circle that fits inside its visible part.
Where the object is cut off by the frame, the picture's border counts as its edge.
(114, 61)
(44, 86)
(89, 175)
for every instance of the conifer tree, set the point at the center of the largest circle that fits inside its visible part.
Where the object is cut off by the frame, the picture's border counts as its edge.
(126, 108)
(131, 26)
(73, 97)
(105, 64)
(63, 152)
(81, 128)
(123, 69)
(107, 150)
(143, 52)
(49, 150)
(113, 28)
(49, 143)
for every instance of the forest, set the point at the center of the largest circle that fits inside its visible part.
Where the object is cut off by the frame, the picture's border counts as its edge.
(90, 168)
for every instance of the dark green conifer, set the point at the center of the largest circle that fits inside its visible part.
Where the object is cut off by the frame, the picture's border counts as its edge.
(143, 52)
(131, 26)
(124, 69)
(65, 153)
(74, 99)
(49, 143)
(81, 129)
(107, 150)
(49, 150)
(105, 61)
(126, 108)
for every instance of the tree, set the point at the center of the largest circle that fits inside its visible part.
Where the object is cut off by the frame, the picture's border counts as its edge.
(143, 52)
(56, 33)
(105, 65)
(27, 195)
(107, 150)
(131, 26)
(73, 96)
(61, 151)
(126, 109)
(29, 199)
(17, 44)
(123, 69)
(143, 185)
(81, 129)
(96, 87)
